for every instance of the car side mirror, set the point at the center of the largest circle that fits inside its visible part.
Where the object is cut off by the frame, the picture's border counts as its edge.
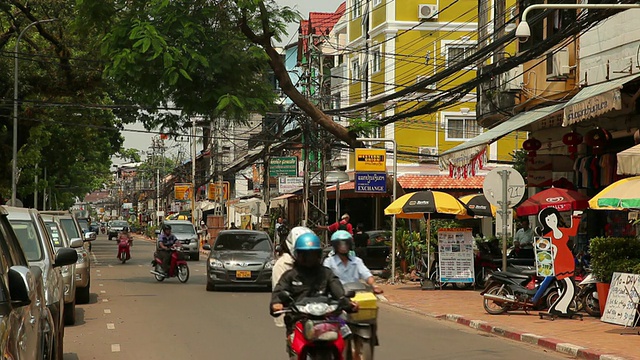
(65, 256)
(21, 284)
(76, 243)
(206, 247)
(89, 236)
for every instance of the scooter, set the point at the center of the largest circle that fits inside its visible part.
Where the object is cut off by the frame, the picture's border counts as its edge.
(320, 331)
(177, 268)
(509, 291)
(124, 253)
(588, 296)
(363, 324)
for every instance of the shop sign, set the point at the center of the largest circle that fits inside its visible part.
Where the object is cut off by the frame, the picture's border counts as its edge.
(593, 107)
(539, 178)
(370, 182)
(183, 192)
(289, 184)
(455, 249)
(283, 166)
(213, 193)
(371, 160)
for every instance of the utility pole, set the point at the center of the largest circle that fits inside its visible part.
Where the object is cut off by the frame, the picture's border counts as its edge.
(193, 170)
(483, 28)
(498, 28)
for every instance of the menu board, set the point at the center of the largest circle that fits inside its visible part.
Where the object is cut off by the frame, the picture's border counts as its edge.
(544, 256)
(624, 295)
(455, 248)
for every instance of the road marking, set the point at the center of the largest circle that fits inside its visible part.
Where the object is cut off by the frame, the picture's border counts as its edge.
(139, 265)
(107, 311)
(102, 292)
(115, 347)
(97, 270)
(99, 274)
(100, 285)
(110, 265)
(111, 326)
(382, 298)
(105, 300)
(197, 269)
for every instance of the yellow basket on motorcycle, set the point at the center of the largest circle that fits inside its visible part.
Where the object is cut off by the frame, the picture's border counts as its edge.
(367, 307)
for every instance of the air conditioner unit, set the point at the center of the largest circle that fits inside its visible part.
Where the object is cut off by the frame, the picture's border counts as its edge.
(427, 154)
(558, 64)
(514, 79)
(432, 86)
(427, 11)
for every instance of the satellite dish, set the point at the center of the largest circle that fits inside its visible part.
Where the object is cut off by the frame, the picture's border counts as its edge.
(493, 187)
(17, 204)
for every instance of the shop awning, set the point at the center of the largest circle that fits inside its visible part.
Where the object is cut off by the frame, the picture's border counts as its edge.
(595, 100)
(629, 161)
(471, 153)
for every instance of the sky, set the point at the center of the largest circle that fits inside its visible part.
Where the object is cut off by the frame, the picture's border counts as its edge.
(142, 141)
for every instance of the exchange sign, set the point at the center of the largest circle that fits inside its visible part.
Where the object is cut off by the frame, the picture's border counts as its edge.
(371, 160)
(368, 182)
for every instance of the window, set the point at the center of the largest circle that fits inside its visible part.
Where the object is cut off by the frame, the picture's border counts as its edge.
(377, 2)
(457, 54)
(70, 228)
(376, 59)
(356, 10)
(28, 238)
(355, 71)
(243, 242)
(462, 129)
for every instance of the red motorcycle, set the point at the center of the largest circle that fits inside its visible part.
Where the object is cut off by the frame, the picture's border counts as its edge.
(319, 331)
(177, 268)
(124, 246)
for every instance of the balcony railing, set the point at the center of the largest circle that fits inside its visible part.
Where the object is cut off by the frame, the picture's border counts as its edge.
(338, 76)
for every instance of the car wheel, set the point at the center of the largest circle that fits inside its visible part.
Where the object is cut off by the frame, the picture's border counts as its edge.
(211, 286)
(82, 294)
(70, 313)
(195, 256)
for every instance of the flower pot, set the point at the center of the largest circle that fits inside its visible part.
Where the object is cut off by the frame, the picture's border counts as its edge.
(603, 293)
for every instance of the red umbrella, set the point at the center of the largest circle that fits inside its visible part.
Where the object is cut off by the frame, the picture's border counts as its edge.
(561, 199)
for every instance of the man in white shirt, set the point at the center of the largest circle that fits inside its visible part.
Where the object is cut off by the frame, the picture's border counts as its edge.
(524, 235)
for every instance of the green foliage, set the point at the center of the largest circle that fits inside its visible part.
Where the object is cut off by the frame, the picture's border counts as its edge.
(132, 155)
(609, 255)
(519, 158)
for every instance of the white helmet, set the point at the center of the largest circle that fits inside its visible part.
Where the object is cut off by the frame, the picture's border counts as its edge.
(294, 234)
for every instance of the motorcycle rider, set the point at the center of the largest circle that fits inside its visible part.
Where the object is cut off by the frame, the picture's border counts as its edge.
(307, 278)
(124, 243)
(166, 240)
(286, 261)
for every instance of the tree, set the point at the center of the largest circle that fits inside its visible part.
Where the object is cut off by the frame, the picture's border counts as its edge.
(131, 154)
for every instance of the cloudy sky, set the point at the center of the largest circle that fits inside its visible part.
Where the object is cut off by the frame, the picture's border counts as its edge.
(142, 141)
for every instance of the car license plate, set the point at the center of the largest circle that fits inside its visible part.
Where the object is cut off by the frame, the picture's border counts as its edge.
(243, 274)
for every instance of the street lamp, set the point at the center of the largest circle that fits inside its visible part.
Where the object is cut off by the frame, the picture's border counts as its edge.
(393, 221)
(337, 177)
(14, 166)
(523, 32)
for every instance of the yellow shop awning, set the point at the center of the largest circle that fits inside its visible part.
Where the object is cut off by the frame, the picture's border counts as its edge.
(595, 100)
(470, 153)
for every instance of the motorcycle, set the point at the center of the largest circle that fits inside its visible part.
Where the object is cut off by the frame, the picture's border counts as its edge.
(363, 324)
(510, 291)
(177, 268)
(124, 253)
(103, 229)
(588, 296)
(320, 331)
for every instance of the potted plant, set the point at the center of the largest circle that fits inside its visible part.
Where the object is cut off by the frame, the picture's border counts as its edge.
(609, 255)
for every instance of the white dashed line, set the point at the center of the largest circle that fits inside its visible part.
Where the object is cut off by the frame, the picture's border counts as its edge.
(107, 311)
(115, 347)
(139, 265)
(110, 265)
(100, 285)
(105, 300)
(98, 270)
(102, 292)
(111, 326)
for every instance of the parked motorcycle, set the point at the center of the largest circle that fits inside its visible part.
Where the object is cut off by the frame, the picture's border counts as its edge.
(319, 331)
(506, 291)
(363, 324)
(588, 296)
(177, 268)
(124, 247)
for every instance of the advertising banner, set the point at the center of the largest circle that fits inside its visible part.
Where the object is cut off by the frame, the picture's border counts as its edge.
(213, 192)
(183, 192)
(289, 184)
(455, 247)
(374, 160)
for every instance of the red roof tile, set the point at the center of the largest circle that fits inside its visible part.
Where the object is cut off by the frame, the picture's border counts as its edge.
(343, 186)
(424, 182)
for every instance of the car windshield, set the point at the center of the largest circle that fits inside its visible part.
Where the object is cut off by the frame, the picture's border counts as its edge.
(70, 228)
(54, 231)
(119, 224)
(243, 241)
(28, 237)
(182, 229)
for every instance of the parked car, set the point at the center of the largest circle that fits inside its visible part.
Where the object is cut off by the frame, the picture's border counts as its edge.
(37, 246)
(60, 240)
(83, 265)
(240, 257)
(375, 254)
(115, 226)
(186, 233)
(25, 321)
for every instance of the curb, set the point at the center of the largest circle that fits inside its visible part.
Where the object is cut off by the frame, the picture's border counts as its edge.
(563, 347)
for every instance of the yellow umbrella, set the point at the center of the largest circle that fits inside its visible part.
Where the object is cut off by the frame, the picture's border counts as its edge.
(477, 206)
(415, 205)
(621, 195)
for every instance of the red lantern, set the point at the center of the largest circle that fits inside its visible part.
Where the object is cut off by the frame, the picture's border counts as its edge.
(532, 145)
(572, 140)
(597, 138)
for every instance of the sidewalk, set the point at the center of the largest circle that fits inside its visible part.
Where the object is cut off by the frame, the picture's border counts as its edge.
(588, 339)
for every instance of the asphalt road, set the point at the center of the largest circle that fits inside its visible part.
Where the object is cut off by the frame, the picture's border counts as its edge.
(132, 316)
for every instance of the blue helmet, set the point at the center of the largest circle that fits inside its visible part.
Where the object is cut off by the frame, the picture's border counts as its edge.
(341, 235)
(307, 242)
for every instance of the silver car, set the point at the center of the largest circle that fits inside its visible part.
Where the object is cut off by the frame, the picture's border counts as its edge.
(37, 246)
(186, 233)
(60, 240)
(240, 257)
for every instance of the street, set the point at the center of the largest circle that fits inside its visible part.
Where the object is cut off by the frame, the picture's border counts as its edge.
(132, 316)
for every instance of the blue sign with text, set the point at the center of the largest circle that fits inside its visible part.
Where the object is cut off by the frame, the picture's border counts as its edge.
(371, 182)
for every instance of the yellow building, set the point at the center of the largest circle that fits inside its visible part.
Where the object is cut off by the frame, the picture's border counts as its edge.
(392, 44)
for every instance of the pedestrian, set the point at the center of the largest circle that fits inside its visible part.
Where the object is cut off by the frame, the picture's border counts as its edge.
(524, 235)
(360, 238)
(343, 224)
(233, 226)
